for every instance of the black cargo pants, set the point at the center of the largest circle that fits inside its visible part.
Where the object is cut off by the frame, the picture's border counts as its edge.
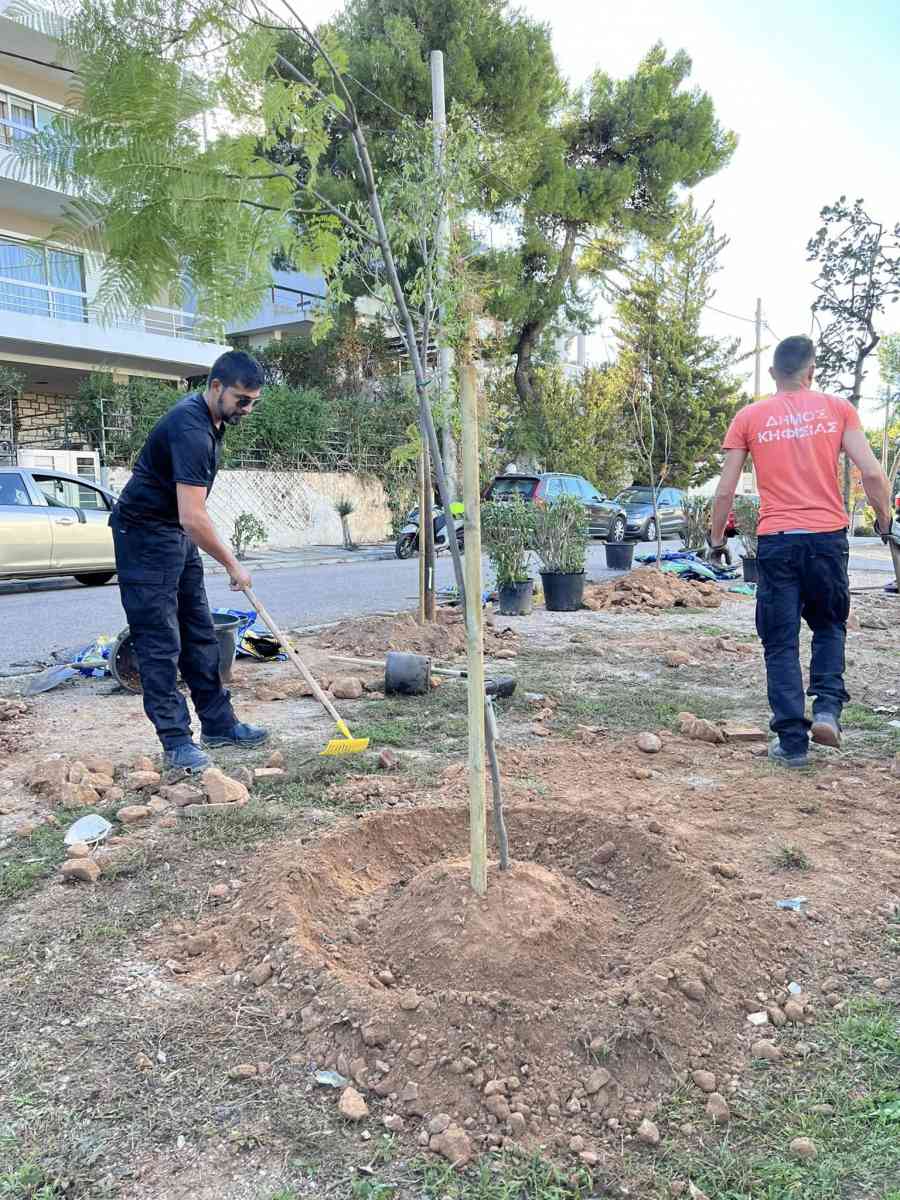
(161, 583)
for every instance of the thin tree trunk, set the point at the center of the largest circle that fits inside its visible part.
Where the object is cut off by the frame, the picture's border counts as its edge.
(532, 329)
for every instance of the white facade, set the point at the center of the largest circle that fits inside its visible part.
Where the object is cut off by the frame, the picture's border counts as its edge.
(51, 330)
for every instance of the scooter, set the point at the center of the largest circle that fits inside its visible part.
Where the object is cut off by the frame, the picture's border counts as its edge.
(408, 542)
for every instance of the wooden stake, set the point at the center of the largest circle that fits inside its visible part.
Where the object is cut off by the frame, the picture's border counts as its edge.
(474, 644)
(421, 482)
(426, 534)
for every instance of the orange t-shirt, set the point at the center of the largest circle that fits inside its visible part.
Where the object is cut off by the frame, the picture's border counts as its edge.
(794, 439)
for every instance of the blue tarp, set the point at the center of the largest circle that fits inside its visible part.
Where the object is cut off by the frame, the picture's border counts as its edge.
(689, 565)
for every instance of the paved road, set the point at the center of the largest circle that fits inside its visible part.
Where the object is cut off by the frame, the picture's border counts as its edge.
(50, 615)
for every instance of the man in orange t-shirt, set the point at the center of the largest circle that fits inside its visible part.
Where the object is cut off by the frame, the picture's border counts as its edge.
(794, 439)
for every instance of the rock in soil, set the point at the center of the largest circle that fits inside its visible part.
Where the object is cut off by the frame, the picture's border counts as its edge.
(133, 812)
(717, 1108)
(137, 781)
(84, 869)
(352, 1105)
(78, 850)
(221, 789)
(803, 1148)
(648, 1133)
(650, 743)
(243, 1071)
(276, 759)
(705, 1081)
(454, 1144)
(347, 687)
(765, 1049)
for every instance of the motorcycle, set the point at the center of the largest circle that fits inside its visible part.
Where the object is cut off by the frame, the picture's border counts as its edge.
(408, 541)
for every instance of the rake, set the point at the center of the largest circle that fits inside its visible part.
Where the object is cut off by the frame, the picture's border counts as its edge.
(346, 743)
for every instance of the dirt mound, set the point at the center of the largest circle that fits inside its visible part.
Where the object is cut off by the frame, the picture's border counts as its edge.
(648, 589)
(369, 637)
(533, 920)
(601, 941)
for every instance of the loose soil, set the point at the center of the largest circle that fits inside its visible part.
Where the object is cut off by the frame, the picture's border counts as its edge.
(635, 931)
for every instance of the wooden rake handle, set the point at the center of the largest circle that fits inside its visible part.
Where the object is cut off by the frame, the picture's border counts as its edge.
(294, 657)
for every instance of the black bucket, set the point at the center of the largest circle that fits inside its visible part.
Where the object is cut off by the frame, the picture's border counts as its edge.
(619, 555)
(562, 593)
(751, 571)
(515, 598)
(123, 661)
(406, 674)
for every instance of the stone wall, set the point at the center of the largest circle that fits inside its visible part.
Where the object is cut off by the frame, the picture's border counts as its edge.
(296, 508)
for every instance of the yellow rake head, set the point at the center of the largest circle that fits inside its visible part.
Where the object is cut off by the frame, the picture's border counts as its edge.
(345, 744)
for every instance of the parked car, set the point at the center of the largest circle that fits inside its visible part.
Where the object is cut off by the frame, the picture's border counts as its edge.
(606, 518)
(54, 524)
(640, 521)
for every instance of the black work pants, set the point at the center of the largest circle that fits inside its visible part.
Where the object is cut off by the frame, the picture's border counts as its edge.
(161, 583)
(803, 575)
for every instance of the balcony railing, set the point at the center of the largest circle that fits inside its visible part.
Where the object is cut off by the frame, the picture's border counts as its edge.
(60, 304)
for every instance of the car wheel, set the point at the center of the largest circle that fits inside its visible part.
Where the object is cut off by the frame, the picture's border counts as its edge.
(617, 530)
(650, 531)
(95, 580)
(406, 545)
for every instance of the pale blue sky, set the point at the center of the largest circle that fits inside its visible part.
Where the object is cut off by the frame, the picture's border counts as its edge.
(811, 89)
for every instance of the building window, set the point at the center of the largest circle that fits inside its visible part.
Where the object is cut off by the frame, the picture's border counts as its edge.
(39, 281)
(19, 118)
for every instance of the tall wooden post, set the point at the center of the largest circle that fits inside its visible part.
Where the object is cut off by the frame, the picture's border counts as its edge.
(420, 480)
(474, 642)
(426, 531)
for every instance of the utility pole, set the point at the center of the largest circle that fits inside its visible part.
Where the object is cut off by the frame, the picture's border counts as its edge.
(757, 372)
(445, 353)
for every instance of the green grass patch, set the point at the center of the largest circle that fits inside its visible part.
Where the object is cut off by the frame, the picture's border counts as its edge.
(23, 1178)
(507, 1177)
(415, 722)
(639, 707)
(238, 830)
(857, 716)
(28, 861)
(856, 1070)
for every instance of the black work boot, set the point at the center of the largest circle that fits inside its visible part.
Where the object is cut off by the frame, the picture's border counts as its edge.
(238, 735)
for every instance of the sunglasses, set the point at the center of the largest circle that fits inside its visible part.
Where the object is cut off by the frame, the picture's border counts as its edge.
(246, 401)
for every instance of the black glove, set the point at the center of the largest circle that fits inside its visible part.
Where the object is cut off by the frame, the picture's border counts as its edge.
(719, 553)
(889, 534)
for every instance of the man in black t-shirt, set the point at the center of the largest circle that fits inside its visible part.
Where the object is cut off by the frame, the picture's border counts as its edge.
(158, 523)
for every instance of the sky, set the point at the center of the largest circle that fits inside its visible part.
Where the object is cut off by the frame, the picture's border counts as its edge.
(812, 89)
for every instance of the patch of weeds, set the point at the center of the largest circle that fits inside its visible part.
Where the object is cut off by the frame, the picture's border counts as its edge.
(27, 1180)
(235, 831)
(639, 707)
(30, 860)
(893, 934)
(411, 721)
(364, 1187)
(857, 716)
(855, 1072)
(791, 858)
(507, 1177)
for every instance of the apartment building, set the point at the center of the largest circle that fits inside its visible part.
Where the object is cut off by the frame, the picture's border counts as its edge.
(51, 331)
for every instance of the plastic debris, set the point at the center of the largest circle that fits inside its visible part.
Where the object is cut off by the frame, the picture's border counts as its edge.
(794, 988)
(795, 904)
(331, 1079)
(252, 638)
(91, 830)
(758, 1018)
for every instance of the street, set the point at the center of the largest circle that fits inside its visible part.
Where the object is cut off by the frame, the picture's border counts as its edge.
(49, 615)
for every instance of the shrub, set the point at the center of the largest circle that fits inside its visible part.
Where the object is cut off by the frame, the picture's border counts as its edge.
(507, 530)
(248, 531)
(746, 515)
(561, 536)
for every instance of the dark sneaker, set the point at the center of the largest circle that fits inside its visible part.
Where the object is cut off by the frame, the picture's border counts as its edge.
(186, 757)
(825, 730)
(240, 735)
(787, 760)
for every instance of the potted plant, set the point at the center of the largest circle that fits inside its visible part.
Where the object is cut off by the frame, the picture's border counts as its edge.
(746, 517)
(561, 540)
(507, 531)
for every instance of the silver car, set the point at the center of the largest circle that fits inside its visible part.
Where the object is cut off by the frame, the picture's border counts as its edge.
(54, 524)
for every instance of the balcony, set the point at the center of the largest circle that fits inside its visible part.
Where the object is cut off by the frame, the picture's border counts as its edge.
(59, 323)
(288, 308)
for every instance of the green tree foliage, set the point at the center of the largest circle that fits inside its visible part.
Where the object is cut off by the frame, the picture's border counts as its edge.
(679, 380)
(609, 165)
(574, 424)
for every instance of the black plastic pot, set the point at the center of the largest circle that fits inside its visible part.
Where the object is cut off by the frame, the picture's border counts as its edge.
(619, 555)
(562, 593)
(123, 662)
(751, 571)
(515, 598)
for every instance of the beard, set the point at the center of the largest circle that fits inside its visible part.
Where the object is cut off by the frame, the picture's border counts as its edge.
(234, 419)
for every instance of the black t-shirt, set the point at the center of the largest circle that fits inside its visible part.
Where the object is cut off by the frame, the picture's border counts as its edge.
(184, 446)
